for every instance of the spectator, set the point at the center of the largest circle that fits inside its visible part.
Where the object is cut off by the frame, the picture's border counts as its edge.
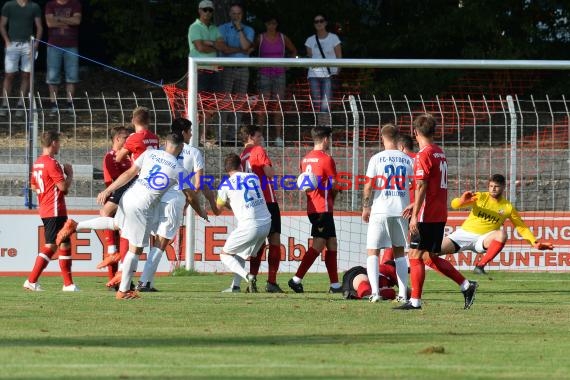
(239, 41)
(327, 46)
(271, 81)
(20, 17)
(62, 18)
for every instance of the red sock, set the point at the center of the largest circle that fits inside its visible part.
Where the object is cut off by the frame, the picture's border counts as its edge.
(494, 248)
(364, 289)
(123, 248)
(444, 267)
(388, 255)
(112, 270)
(42, 260)
(308, 260)
(430, 264)
(273, 260)
(255, 262)
(331, 264)
(417, 277)
(65, 265)
(109, 238)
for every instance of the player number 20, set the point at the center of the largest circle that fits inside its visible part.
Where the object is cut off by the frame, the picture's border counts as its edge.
(443, 171)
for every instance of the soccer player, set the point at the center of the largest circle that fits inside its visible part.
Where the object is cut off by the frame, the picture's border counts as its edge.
(135, 145)
(406, 145)
(51, 181)
(111, 171)
(356, 284)
(157, 171)
(481, 232)
(242, 193)
(172, 205)
(254, 159)
(429, 215)
(389, 176)
(320, 202)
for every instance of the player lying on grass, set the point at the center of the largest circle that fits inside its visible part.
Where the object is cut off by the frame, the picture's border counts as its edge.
(356, 284)
(481, 232)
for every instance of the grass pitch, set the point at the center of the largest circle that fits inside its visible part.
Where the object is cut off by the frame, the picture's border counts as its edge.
(517, 328)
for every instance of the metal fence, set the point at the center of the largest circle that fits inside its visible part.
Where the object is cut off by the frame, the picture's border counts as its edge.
(480, 136)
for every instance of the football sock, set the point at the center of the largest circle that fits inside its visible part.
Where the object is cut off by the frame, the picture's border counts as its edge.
(237, 278)
(417, 277)
(111, 270)
(155, 262)
(109, 236)
(100, 223)
(308, 260)
(123, 248)
(465, 285)
(372, 271)
(65, 265)
(255, 262)
(364, 289)
(388, 255)
(402, 275)
(148, 265)
(42, 260)
(494, 248)
(129, 267)
(332, 266)
(273, 260)
(445, 267)
(233, 265)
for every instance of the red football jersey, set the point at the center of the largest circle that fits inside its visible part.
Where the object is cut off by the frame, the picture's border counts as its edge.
(323, 166)
(431, 166)
(140, 141)
(253, 159)
(113, 169)
(47, 172)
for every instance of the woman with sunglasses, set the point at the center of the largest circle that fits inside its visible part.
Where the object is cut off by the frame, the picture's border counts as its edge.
(323, 45)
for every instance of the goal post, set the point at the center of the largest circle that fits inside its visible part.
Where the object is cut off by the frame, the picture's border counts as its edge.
(513, 155)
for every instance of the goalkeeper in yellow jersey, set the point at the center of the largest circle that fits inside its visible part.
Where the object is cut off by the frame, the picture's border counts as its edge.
(481, 232)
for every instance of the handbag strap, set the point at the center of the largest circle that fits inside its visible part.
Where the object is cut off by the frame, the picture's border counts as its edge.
(322, 52)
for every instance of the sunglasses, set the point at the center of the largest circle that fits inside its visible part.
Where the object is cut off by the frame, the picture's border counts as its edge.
(319, 21)
(211, 10)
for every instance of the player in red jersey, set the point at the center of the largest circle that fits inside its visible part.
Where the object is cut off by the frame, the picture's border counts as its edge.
(254, 159)
(134, 146)
(51, 181)
(356, 283)
(112, 169)
(429, 215)
(320, 203)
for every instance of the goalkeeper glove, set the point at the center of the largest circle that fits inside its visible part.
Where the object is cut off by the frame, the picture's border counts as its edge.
(543, 246)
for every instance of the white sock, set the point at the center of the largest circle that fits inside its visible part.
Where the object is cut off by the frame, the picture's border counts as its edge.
(372, 271)
(147, 270)
(335, 285)
(402, 273)
(130, 264)
(464, 285)
(297, 280)
(415, 302)
(155, 262)
(237, 278)
(100, 223)
(111, 249)
(233, 265)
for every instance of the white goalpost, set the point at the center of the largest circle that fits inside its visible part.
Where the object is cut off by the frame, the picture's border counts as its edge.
(481, 135)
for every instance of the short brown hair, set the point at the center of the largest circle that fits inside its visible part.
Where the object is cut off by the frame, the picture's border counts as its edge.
(141, 115)
(390, 132)
(232, 162)
(319, 133)
(499, 179)
(248, 131)
(406, 141)
(117, 130)
(49, 137)
(425, 125)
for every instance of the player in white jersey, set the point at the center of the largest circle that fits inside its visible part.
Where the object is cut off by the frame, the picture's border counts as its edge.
(170, 211)
(242, 193)
(389, 176)
(157, 170)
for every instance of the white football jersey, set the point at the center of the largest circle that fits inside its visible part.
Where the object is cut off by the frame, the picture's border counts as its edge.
(245, 196)
(192, 160)
(159, 172)
(391, 172)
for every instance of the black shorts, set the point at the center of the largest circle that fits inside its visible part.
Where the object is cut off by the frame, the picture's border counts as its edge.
(116, 195)
(323, 225)
(275, 218)
(52, 227)
(429, 237)
(348, 277)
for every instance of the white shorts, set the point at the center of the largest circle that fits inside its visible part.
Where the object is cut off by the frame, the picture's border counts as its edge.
(386, 232)
(245, 241)
(134, 221)
(469, 241)
(17, 57)
(168, 217)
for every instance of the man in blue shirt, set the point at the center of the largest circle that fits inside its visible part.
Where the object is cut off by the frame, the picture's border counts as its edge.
(235, 80)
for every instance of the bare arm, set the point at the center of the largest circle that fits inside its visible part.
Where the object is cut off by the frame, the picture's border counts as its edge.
(4, 31)
(121, 154)
(290, 47)
(338, 51)
(39, 29)
(421, 190)
(122, 180)
(366, 201)
(204, 46)
(193, 201)
(53, 21)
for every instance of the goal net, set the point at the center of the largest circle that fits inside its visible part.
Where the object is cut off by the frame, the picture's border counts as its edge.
(489, 121)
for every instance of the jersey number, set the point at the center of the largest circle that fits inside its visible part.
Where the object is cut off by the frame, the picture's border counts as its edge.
(443, 172)
(397, 175)
(250, 184)
(38, 177)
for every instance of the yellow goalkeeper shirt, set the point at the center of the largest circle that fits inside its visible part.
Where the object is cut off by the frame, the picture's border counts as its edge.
(488, 214)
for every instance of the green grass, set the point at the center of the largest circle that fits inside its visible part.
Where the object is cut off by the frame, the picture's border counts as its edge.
(518, 328)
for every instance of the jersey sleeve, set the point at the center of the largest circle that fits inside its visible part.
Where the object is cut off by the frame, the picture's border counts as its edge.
(108, 163)
(55, 171)
(523, 230)
(198, 161)
(131, 143)
(421, 168)
(371, 170)
(140, 160)
(260, 158)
